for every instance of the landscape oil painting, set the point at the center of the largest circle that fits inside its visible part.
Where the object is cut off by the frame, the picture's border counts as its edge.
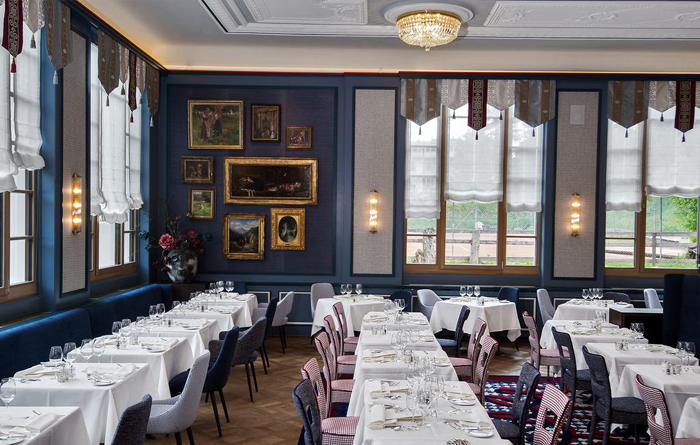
(215, 124)
(244, 236)
(270, 181)
(202, 204)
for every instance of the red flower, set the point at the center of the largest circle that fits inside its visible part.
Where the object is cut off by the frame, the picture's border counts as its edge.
(190, 234)
(167, 242)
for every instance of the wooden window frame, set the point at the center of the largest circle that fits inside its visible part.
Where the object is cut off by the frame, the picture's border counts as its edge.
(502, 234)
(10, 292)
(121, 268)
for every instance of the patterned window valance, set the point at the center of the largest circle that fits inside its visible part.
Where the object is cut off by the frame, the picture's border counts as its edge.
(628, 102)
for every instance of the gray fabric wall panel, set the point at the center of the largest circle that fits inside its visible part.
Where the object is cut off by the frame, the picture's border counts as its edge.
(375, 131)
(576, 172)
(74, 156)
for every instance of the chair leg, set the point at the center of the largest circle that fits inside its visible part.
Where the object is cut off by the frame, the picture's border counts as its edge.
(255, 379)
(223, 403)
(573, 407)
(206, 398)
(250, 386)
(591, 432)
(267, 357)
(178, 438)
(517, 345)
(262, 355)
(636, 434)
(282, 337)
(190, 436)
(216, 413)
(606, 431)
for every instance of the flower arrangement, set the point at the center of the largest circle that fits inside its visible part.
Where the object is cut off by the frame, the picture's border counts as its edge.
(174, 238)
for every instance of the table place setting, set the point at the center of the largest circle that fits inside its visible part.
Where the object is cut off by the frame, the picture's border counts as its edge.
(42, 426)
(583, 309)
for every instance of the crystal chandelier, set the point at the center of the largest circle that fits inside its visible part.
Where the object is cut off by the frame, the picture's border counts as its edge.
(428, 28)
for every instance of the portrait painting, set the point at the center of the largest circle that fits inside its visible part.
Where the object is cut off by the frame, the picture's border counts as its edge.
(298, 138)
(270, 181)
(202, 204)
(265, 123)
(244, 236)
(215, 124)
(197, 169)
(288, 229)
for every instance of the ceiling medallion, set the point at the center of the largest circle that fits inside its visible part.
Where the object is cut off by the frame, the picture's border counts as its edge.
(428, 24)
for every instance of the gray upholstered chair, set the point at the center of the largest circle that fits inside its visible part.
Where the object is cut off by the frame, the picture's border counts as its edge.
(178, 413)
(318, 291)
(426, 301)
(281, 318)
(617, 297)
(131, 429)
(651, 299)
(545, 305)
(247, 351)
(571, 377)
(513, 429)
(318, 429)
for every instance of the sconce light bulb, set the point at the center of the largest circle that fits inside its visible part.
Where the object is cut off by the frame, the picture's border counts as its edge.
(575, 226)
(77, 205)
(77, 220)
(77, 191)
(373, 201)
(575, 215)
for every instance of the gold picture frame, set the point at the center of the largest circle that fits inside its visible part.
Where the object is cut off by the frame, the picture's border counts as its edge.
(298, 137)
(266, 181)
(288, 229)
(265, 123)
(197, 169)
(244, 236)
(215, 124)
(201, 206)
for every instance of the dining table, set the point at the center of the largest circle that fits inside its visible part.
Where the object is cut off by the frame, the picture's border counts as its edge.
(166, 356)
(387, 420)
(499, 315)
(249, 302)
(677, 389)
(198, 332)
(356, 307)
(225, 316)
(547, 338)
(102, 400)
(689, 422)
(579, 309)
(41, 425)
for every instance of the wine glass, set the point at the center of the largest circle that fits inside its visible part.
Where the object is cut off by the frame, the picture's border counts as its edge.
(160, 310)
(462, 291)
(152, 311)
(401, 303)
(69, 353)
(8, 391)
(586, 294)
(212, 288)
(220, 285)
(690, 352)
(116, 327)
(56, 354)
(477, 291)
(98, 348)
(229, 286)
(423, 399)
(411, 403)
(358, 289)
(86, 349)
(470, 291)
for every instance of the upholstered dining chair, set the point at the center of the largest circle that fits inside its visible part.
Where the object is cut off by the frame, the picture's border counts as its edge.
(609, 409)
(426, 301)
(657, 410)
(269, 311)
(464, 367)
(617, 297)
(404, 295)
(221, 361)
(318, 291)
(247, 351)
(513, 429)
(452, 346)
(177, 414)
(651, 299)
(348, 343)
(544, 304)
(511, 294)
(346, 363)
(339, 390)
(539, 356)
(571, 377)
(131, 429)
(554, 404)
(280, 317)
(481, 371)
(320, 430)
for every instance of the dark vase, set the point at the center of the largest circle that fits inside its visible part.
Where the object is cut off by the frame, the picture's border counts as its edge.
(182, 266)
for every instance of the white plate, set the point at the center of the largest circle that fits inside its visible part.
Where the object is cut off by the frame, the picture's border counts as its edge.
(104, 383)
(463, 402)
(12, 441)
(157, 349)
(480, 433)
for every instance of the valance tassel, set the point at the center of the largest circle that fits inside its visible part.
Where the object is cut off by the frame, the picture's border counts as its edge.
(662, 117)
(454, 114)
(533, 132)
(683, 140)
(123, 93)
(55, 77)
(132, 117)
(420, 130)
(500, 117)
(477, 136)
(108, 100)
(627, 134)
(13, 68)
(32, 44)
(151, 122)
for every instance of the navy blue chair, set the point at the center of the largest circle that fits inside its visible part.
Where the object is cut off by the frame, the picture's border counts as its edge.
(270, 311)
(222, 352)
(250, 342)
(511, 294)
(681, 306)
(571, 377)
(513, 429)
(131, 429)
(404, 295)
(451, 346)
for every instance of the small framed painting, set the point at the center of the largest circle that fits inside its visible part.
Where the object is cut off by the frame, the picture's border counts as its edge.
(197, 169)
(215, 124)
(244, 236)
(265, 123)
(202, 204)
(299, 138)
(288, 229)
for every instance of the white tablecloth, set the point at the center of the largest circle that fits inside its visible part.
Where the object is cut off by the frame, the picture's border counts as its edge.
(101, 405)
(370, 341)
(547, 339)
(392, 370)
(226, 317)
(689, 424)
(499, 316)
(415, 321)
(69, 429)
(635, 355)
(247, 301)
(198, 337)
(677, 388)
(580, 310)
(437, 433)
(163, 365)
(355, 310)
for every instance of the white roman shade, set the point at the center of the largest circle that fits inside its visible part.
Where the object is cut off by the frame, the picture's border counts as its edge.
(524, 173)
(623, 185)
(423, 169)
(673, 166)
(474, 166)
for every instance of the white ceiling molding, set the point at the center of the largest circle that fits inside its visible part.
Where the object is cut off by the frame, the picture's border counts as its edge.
(595, 14)
(392, 14)
(309, 12)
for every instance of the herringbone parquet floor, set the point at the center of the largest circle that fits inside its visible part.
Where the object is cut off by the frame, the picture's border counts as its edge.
(271, 418)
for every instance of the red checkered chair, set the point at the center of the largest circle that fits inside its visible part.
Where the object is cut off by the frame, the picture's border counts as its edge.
(481, 372)
(346, 363)
(655, 403)
(347, 344)
(553, 402)
(339, 389)
(539, 356)
(327, 431)
(464, 367)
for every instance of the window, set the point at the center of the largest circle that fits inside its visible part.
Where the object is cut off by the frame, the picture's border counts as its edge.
(114, 247)
(484, 216)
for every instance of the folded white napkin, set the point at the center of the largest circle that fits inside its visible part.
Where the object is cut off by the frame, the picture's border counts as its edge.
(374, 355)
(114, 372)
(35, 370)
(155, 341)
(380, 416)
(35, 423)
(193, 322)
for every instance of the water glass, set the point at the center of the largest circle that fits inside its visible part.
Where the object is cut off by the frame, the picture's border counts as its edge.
(152, 311)
(462, 291)
(477, 291)
(98, 348)
(586, 294)
(423, 400)
(160, 310)
(470, 291)
(229, 286)
(402, 304)
(358, 289)
(70, 354)
(116, 327)
(212, 288)
(8, 391)
(220, 285)
(56, 354)
(86, 349)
